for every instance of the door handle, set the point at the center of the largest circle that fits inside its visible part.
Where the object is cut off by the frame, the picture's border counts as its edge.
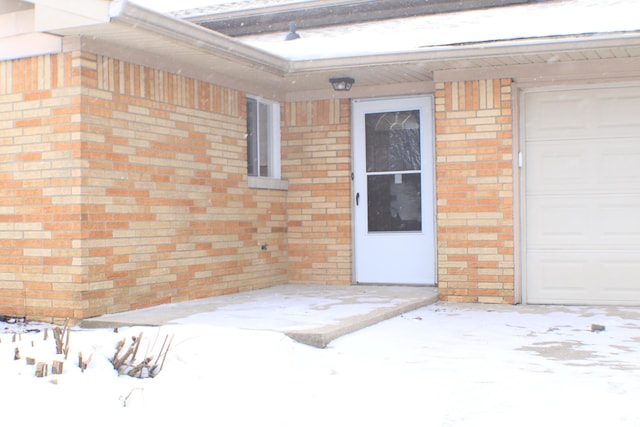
(357, 199)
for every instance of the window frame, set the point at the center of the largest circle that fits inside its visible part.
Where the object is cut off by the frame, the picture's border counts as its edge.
(273, 135)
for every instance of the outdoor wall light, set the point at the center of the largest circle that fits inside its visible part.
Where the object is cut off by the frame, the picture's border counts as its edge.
(342, 83)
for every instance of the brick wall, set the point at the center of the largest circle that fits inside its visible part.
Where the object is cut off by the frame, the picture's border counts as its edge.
(316, 151)
(125, 187)
(167, 192)
(475, 191)
(40, 145)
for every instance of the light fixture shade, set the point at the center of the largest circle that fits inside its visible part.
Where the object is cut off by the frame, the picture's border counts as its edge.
(342, 83)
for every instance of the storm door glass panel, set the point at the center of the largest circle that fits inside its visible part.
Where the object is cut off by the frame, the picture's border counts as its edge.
(393, 141)
(395, 204)
(393, 171)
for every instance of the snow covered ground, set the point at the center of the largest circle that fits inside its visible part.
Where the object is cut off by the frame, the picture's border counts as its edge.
(442, 365)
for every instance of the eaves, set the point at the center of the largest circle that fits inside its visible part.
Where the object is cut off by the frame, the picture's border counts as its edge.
(138, 35)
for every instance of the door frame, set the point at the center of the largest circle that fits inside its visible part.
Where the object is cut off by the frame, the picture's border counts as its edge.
(429, 156)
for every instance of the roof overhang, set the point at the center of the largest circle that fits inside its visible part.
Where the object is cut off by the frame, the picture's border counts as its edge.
(188, 49)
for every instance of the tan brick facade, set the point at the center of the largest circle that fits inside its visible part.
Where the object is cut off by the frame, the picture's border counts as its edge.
(474, 168)
(125, 187)
(40, 214)
(316, 150)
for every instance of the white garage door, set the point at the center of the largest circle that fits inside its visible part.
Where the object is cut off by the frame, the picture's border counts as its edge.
(582, 195)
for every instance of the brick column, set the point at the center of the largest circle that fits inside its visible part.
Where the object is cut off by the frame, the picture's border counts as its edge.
(475, 191)
(40, 215)
(317, 162)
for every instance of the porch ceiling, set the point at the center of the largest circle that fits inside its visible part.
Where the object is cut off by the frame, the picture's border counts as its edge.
(149, 38)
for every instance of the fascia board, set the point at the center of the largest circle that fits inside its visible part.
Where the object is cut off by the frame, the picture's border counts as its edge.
(15, 23)
(51, 15)
(28, 45)
(196, 36)
(476, 50)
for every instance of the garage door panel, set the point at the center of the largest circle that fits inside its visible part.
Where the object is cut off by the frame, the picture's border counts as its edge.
(582, 186)
(546, 113)
(553, 164)
(583, 221)
(613, 109)
(620, 163)
(589, 166)
(622, 272)
(617, 112)
(558, 275)
(620, 221)
(561, 277)
(559, 222)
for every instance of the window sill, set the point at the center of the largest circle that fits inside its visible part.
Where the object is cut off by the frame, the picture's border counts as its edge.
(268, 183)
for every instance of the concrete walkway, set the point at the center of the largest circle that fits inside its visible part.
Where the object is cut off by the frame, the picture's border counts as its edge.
(310, 314)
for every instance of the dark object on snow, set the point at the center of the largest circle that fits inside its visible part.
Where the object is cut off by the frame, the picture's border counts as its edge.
(597, 328)
(292, 32)
(12, 320)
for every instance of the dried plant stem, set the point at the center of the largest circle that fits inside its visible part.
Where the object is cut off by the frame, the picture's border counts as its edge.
(62, 339)
(126, 363)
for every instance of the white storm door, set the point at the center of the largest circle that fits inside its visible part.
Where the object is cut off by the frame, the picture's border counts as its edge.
(394, 191)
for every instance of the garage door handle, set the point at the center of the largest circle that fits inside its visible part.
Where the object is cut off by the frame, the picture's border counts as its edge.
(357, 199)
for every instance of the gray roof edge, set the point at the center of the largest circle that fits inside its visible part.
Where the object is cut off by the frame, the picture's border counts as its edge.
(231, 9)
(322, 13)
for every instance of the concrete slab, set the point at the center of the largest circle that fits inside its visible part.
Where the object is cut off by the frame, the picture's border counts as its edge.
(310, 314)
